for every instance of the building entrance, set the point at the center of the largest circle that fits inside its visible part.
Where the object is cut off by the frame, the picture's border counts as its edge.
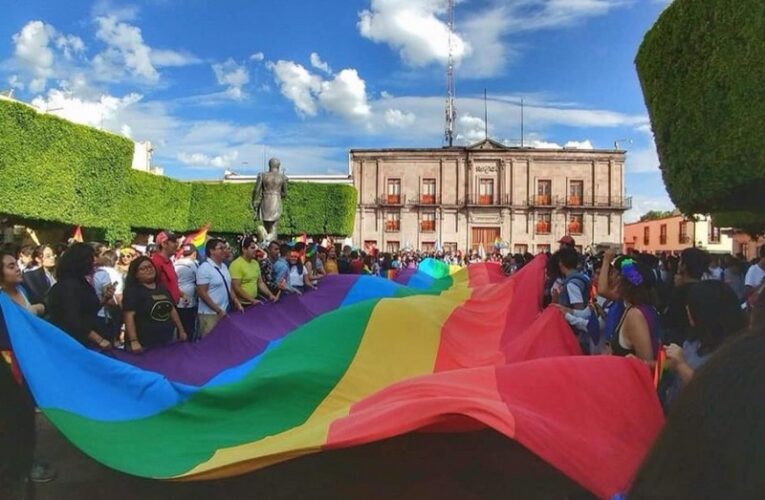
(484, 237)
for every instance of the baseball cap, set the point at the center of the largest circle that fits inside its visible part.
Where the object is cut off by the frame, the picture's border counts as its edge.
(567, 240)
(166, 236)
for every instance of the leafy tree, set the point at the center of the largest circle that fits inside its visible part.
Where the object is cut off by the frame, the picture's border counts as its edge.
(702, 68)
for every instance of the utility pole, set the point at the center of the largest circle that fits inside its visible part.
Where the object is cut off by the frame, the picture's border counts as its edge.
(522, 124)
(450, 110)
(485, 116)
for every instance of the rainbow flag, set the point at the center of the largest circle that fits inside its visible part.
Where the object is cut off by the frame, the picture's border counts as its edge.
(77, 236)
(361, 359)
(198, 239)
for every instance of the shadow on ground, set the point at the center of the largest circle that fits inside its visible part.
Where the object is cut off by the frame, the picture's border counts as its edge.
(474, 465)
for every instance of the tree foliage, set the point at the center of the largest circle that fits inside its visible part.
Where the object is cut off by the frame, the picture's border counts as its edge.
(57, 171)
(702, 68)
(656, 214)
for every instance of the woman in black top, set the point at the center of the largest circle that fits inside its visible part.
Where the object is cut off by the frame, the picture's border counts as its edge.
(148, 309)
(72, 302)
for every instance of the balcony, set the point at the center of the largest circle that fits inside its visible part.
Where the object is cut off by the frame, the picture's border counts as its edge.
(392, 226)
(427, 200)
(541, 200)
(574, 201)
(575, 228)
(428, 226)
(392, 200)
(602, 202)
(488, 200)
(543, 227)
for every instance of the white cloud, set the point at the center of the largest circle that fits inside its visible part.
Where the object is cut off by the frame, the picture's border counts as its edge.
(32, 50)
(70, 45)
(317, 63)
(126, 51)
(15, 82)
(579, 145)
(345, 95)
(541, 144)
(257, 56)
(470, 129)
(386, 95)
(126, 12)
(414, 28)
(163, 58)
(418, 31)
(399, 119)
(96, 113)
(203, 160)
(298, 85)
(232, 75)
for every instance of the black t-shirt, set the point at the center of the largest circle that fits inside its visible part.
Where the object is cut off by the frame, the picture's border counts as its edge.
(675, 320)
(152, 309)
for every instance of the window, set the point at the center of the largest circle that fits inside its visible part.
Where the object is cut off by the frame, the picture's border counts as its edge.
(544, 192)
(428, 195)
(450, 247)
(392, 221)
(428, 246)
(370, 246)
(576, 193)
(646, 235)
(663, 234)
(392, 247)
(714, 233)
(394, 191)
(544, 224)
(521, 249)
(428, 222)
(486, 191)
(575, 224)
(684, 232)
(543, 248)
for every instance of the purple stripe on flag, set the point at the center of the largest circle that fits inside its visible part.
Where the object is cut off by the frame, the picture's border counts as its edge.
(239, 337)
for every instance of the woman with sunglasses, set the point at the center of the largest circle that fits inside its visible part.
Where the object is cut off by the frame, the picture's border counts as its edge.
(298, 275)
(148, 309)
(636, 334)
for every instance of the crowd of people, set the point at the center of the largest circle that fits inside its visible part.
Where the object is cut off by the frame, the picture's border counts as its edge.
(677, 310)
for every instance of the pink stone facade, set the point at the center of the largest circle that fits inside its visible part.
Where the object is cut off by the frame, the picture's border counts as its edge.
(463, 198)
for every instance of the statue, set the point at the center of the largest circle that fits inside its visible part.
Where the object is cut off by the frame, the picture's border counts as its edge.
(267, 200)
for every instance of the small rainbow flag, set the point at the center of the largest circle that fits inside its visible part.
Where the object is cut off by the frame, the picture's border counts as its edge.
(77, 236)
(660, 367)
(198, 239)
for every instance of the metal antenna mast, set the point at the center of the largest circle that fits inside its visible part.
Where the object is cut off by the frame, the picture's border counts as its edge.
(451, 112)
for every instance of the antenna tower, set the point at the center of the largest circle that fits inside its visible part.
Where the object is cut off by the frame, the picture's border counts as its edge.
(451, 113)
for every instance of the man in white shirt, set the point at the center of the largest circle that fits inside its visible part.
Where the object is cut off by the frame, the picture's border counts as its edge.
(105, 277)
(755, 277)
(186, 270)
(214, 287)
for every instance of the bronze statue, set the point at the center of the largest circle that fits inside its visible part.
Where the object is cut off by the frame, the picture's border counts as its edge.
(267, 200)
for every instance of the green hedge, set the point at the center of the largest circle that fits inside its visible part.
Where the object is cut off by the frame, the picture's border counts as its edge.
(57, 171)
(702, 69)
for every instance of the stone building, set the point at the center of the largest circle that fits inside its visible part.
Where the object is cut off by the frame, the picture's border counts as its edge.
(467, 197)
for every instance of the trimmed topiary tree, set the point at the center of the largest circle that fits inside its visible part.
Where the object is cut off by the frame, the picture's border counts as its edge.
(702, 69)
(52, 170)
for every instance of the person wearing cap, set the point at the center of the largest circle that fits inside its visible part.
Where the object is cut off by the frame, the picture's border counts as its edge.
(567, 242)
(246, 279)
(214, 289)
(186, 269)
(167, 245)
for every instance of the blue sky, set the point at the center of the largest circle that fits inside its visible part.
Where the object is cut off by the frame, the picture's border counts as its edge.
(218, 85)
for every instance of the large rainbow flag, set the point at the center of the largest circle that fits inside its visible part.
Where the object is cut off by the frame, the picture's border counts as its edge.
(361, 359)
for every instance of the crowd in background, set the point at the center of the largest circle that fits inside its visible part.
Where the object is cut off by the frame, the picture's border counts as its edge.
(677, 310)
